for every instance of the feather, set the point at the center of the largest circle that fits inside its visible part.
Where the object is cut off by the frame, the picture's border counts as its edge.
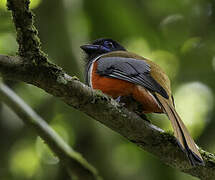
(181, 133)
(130, 69)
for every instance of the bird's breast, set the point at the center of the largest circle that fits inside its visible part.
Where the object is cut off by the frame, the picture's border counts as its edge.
(111, 86)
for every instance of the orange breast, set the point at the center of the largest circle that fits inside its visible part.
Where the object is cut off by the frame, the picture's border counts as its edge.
(111, 86)
(116, 87)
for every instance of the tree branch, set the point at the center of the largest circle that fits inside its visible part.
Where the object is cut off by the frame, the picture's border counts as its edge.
(32, 67)
(74, 162)
(107, 111)
(27, 35)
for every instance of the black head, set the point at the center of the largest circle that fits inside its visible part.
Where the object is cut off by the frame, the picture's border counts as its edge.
(101, 46)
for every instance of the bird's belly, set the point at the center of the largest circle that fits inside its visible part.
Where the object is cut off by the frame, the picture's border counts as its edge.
(149, 103)
(111, 86)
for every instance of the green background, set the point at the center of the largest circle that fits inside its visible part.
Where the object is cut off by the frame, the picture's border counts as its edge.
(179, 35)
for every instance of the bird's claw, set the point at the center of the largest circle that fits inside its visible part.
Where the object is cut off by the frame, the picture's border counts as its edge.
(118, 100)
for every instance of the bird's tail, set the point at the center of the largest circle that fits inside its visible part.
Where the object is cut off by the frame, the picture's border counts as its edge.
(186, 142)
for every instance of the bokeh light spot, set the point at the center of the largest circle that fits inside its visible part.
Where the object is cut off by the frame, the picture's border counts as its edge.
(190, 44)
(8, 43)
(168, 62)
(33, 4)
(23, 160)
(139, 46)
(193, 102)
(3, 4)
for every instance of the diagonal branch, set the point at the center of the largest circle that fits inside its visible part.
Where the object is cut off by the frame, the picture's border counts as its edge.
(107, 111)
(74, 162)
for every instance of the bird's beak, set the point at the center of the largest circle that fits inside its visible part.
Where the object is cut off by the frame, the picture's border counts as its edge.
(89, 48)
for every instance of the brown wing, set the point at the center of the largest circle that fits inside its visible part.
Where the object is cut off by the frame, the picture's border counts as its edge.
(130, 69)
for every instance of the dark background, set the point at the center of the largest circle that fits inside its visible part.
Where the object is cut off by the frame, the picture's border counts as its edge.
(179, 35)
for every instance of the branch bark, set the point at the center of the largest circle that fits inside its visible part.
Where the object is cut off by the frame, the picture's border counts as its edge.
(33, 67)
(27, 34)
(107, 111)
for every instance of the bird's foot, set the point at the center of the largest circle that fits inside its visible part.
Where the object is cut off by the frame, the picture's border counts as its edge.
(118, 99)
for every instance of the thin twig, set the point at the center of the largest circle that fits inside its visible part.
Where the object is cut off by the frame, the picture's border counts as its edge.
(73, 160)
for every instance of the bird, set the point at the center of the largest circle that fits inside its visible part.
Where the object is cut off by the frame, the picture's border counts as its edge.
(119, 73)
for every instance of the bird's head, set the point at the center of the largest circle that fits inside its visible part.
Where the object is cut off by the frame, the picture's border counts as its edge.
(101, 46)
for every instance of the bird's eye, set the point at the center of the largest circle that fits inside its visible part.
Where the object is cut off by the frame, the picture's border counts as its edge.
(108, 44)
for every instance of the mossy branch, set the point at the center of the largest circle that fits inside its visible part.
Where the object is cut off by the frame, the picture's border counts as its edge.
(27, 34)
(27, 67)
(107, 111)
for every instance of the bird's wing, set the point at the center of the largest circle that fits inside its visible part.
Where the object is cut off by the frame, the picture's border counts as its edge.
(131, 70)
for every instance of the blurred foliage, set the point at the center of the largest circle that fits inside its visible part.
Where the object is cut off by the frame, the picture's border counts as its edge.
(178, 35)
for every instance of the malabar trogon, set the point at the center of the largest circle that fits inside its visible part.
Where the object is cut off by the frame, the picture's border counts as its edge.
(117, 72)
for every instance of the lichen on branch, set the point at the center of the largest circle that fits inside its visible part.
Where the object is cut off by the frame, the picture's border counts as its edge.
(27, 34)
